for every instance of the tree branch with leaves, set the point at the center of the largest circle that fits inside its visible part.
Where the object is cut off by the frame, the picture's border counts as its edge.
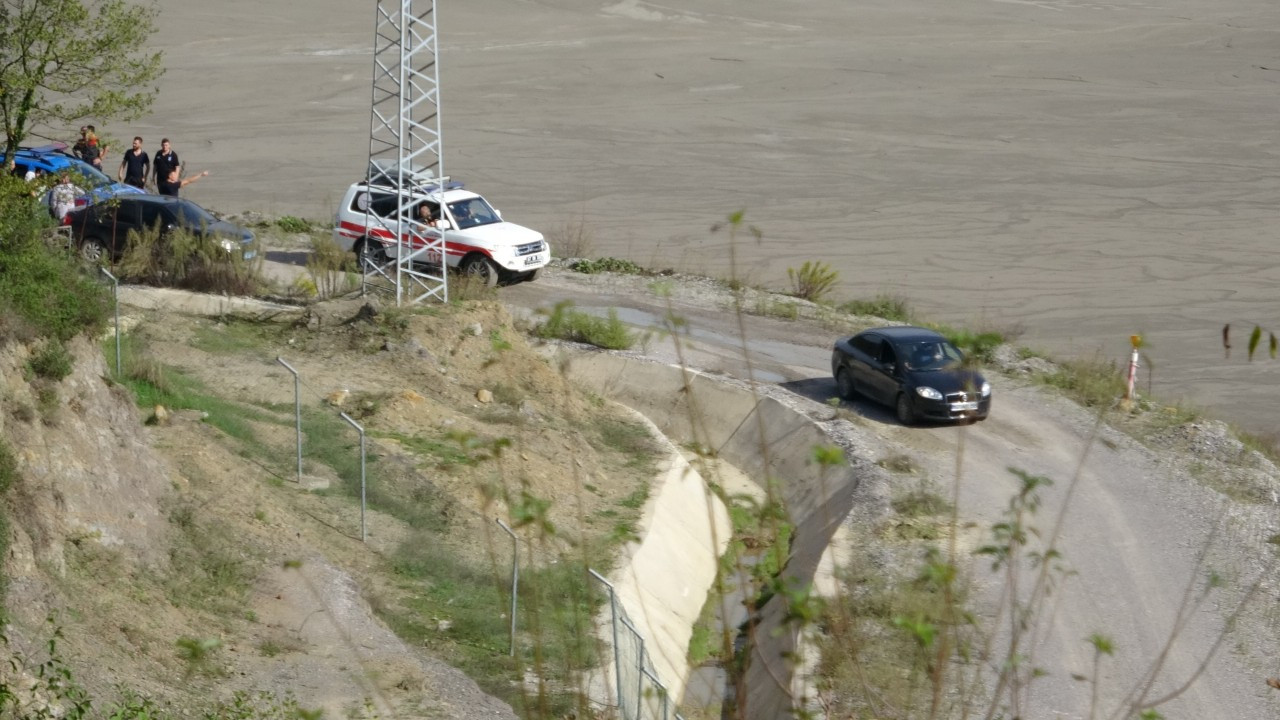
(62, 61)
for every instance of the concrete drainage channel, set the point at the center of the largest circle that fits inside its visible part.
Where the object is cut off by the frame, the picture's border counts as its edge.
(673, 568)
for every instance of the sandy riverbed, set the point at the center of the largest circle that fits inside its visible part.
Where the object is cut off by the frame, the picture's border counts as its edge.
(1083, 170)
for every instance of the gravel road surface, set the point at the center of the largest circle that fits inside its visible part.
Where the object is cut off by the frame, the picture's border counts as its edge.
(1136, 529)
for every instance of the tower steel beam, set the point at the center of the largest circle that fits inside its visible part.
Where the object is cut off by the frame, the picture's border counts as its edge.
(406, 159)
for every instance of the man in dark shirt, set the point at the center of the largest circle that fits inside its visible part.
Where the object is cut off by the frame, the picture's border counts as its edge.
(81, 148)
(135, 166)
(166, 166)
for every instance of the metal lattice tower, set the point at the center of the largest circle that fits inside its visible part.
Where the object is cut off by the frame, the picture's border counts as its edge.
(405, 152)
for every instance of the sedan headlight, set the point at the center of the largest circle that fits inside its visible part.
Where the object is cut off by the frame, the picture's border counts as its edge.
(986, 389)
(226, 244)
(928, 393)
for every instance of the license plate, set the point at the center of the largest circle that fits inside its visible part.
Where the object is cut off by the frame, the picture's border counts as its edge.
(963, 406)
(533, 260)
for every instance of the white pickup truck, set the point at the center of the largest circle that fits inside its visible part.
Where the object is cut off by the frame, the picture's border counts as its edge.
(477, 240)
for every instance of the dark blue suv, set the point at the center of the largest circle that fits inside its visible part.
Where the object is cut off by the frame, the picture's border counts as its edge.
(53, 159)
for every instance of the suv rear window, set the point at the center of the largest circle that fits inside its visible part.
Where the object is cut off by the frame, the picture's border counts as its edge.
(383, 205)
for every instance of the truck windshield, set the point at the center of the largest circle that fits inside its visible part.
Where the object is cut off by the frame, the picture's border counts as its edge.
(472, 212)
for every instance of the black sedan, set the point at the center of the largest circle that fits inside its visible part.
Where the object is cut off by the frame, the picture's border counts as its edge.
(102, 231)
(913, 370)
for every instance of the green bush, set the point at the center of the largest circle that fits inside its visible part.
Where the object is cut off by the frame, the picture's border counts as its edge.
(813, 281)
(769, 307)
(1092, 383)
(8, 468)
(608, 264)
(187, 261)
(22, 216)
(331, 268)
(979, 346)
(292, 224)
(52, 361)
(565, 323)
(8, 476)
(889, 307)
(49, 290)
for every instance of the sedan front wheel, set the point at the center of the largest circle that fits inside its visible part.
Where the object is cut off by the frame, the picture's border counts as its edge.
(844, 385)
(906, 415)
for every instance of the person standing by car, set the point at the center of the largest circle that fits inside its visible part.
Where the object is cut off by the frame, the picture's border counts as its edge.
(135, 166)
(62, 198)
(92, 150)
(188, 180)
(82, 145)
(166, 167)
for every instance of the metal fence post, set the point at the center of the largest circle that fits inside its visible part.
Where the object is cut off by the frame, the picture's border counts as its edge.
(356, 425)
(617, 660)
(115, 294)
(297, 410)
(640, 658)
(515, 579)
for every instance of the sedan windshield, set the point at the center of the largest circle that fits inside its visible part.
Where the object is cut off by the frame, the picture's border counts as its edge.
(931, 355)
(192, 216)
(472, 212)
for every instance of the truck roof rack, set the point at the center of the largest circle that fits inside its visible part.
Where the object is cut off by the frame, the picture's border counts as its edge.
(385, 172)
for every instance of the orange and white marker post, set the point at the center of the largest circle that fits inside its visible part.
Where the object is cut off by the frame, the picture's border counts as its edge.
(1129, 393)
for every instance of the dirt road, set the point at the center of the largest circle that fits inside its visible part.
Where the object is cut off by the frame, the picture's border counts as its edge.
(1134, 528)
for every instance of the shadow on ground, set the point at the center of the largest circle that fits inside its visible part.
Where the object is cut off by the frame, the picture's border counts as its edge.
(288, 257)
(822, 389)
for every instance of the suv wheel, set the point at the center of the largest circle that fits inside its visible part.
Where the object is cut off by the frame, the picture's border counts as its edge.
(905, 415)
(93, 250)
(370, 252)
(481, 268)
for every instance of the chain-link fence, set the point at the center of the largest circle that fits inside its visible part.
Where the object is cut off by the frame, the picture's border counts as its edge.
(315, 430)
(641, 695)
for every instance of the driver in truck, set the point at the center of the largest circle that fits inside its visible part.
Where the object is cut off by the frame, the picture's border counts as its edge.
(429, 215)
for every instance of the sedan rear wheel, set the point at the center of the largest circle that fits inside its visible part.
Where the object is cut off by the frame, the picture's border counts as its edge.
(906, 415)
(93, 250)
(844, 385)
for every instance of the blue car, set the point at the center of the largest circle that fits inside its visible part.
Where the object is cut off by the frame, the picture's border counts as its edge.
(53, 159)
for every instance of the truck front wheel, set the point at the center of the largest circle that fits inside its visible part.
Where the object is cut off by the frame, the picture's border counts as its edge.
(482, 269)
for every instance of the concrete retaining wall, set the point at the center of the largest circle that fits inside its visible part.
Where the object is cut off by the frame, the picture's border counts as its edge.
(766, 440)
